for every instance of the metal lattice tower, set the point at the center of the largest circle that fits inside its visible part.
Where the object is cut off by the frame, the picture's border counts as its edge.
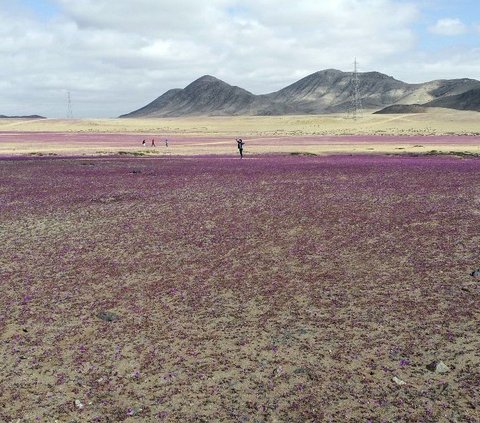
(69, 106)
(356, 106)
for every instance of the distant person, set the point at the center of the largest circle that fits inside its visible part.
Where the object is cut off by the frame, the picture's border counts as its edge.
(166, 142)
(153, 142)
(240, 144)
(144, 143)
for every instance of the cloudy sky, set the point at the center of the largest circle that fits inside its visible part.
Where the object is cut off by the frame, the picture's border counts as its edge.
(114, 56)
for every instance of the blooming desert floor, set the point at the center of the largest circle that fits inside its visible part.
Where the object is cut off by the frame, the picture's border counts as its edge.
(271, 289)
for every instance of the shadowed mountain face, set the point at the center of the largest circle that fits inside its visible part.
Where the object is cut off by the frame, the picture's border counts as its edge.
(326, 91)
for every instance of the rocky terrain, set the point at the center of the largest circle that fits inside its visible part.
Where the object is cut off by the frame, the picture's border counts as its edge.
(327, 91)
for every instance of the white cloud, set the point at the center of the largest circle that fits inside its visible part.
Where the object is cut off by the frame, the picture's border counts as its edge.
(449, 26)
(115, 56)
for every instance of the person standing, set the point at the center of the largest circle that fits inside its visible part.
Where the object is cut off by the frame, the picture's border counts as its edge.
(153, 142)
(240, 144)
(166, 142)
(144, 143)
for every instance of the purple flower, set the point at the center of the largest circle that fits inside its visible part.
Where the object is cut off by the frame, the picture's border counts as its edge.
(26, 299)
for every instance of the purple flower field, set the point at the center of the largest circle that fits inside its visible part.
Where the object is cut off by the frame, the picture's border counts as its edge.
(269, 289)
(77, 144)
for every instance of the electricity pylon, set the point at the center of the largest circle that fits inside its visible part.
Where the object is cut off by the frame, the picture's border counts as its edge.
(356, 103)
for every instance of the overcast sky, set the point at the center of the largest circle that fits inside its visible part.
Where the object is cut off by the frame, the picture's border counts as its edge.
(115, 56)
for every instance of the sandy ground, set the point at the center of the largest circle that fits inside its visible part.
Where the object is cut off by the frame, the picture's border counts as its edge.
(441, 130)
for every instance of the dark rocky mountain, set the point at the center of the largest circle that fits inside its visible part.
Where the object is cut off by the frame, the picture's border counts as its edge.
(22, 117)
(207, 96)
(326, 91)
(402, 109)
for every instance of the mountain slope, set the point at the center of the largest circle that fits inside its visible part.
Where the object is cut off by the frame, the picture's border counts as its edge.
(469, 100)
(432, 90)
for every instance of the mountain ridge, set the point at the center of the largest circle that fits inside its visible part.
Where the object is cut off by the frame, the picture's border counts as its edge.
(325, 91)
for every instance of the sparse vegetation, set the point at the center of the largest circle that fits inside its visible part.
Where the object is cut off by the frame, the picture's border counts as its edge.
(453, 153)
(39, 153)
(302, 153)
(132, 153)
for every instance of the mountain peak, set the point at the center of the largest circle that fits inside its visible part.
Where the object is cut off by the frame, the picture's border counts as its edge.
(208, 82)
(330, 71)
(207, 78)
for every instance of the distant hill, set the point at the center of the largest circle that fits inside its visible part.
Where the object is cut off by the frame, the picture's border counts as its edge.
(326, 91)
(22, 117)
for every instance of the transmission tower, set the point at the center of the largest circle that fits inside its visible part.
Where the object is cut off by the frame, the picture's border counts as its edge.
(356, 106)
(69, 106)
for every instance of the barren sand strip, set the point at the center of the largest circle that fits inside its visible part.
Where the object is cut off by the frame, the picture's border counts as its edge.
(435, 122)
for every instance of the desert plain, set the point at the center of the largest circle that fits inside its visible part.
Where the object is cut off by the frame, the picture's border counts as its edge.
(439, 129)
(329, 276)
